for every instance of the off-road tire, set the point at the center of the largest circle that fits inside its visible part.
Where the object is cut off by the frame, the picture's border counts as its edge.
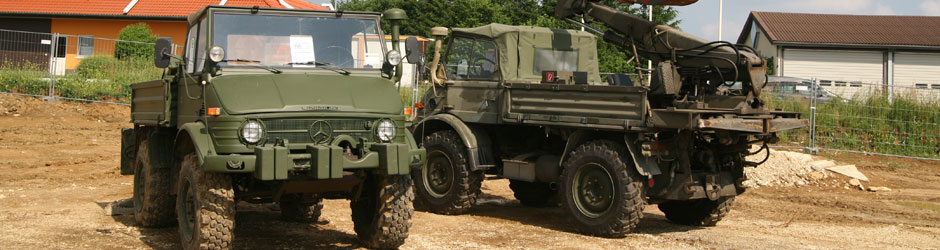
(293, 208)
(700, 212)
(625, 208)
(533, 194)
(464, 184)
(153, 203)
(382, 214)
(213, 207)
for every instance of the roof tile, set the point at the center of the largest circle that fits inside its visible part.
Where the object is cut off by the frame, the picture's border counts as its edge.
(850, 29)
(163, 8)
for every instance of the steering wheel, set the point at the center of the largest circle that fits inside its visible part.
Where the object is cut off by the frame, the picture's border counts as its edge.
(477, 70)
(336, 57)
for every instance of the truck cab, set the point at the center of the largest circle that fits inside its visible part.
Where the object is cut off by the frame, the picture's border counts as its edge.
(273, 106)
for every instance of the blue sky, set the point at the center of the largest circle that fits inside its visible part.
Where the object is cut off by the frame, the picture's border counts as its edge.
(701, 19)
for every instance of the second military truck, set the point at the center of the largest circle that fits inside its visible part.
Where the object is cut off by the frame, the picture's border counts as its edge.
(528, 104)
(273, 105)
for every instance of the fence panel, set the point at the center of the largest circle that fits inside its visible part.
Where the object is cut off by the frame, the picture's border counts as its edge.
(44, 64)
(901, 121)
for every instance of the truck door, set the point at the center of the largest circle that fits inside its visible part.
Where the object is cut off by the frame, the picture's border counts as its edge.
(189, 94)
(472, 67)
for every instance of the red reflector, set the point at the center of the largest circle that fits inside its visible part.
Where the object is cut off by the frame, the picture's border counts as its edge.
(652, 182)
(213, 111)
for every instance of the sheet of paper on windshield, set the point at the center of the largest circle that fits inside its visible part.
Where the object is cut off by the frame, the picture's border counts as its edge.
(301, 50)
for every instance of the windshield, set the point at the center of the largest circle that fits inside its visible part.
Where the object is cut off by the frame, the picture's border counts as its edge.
(298, 41)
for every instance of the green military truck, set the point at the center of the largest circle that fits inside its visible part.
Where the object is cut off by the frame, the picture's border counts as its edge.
(528, 104)
(273, 105)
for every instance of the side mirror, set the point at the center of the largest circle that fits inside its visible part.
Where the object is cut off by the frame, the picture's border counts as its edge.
(413, 50)
(162, 51)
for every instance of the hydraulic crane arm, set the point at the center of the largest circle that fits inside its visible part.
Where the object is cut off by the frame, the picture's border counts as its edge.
(700, 65)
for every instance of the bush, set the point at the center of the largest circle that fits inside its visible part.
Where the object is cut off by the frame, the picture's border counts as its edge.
(138, 32)
(97, 66)
(23, 78)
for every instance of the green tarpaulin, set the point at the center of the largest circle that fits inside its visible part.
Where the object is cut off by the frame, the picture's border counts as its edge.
(524, 51)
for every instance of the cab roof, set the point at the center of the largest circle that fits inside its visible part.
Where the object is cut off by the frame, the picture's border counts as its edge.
(194, 17)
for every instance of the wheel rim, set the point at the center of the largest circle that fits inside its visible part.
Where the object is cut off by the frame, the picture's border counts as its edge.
(593, 190)
(187, 213)
(139, 187)
(439, 174)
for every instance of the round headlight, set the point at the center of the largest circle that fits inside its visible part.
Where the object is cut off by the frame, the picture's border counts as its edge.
(385, 131)
(252, 132)
(216, 54)
(394, 57)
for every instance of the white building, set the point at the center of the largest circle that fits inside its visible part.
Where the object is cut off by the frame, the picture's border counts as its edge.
(849, 54)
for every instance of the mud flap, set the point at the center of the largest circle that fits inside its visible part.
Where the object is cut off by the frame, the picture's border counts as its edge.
(128, 151)
(712, 186)
(646, 166)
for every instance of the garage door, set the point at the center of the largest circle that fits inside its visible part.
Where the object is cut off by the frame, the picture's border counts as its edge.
(917, 70)
(845, 72)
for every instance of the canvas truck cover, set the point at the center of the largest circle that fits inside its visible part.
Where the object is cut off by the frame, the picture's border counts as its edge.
(524, 50)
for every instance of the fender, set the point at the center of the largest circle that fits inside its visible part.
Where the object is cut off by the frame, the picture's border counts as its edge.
(644, 166)
(473, 138)
(199, 136)
(575, 139)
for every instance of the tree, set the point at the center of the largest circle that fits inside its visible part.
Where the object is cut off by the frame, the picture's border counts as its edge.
(424, 14)
(139, 35)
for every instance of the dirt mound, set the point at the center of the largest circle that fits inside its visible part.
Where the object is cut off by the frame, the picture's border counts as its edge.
(786, 168)
(29, 107)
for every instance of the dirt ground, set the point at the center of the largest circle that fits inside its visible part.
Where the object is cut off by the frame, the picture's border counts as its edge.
(59, 166)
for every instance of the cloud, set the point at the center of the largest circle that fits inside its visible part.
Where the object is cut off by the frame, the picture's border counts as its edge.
(830, 6)
(729, 31)
(930, 7)
(884, 10)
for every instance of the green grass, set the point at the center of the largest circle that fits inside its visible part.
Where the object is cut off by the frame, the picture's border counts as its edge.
(922, 205)
(97, 78)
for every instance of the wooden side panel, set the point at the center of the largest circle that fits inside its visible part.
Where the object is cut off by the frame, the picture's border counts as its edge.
(148, 103)
(574, 105)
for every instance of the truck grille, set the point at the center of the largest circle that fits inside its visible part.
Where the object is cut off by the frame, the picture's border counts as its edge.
(304, 131)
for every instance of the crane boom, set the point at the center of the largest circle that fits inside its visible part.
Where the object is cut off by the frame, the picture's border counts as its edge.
(684, 63)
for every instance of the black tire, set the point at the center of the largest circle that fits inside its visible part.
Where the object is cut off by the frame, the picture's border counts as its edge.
(382, 214)
(295, 208)
(700, 212)
(601, 190)
(205, 207)
(153, 201)
(533, 194)
(445, 185)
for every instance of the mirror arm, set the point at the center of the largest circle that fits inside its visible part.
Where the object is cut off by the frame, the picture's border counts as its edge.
(439, 33)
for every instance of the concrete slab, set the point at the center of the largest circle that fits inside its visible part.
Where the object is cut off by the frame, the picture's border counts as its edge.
(850, 171)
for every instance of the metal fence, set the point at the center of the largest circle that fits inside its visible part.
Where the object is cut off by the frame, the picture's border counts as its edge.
(49, 57)
(867, 118)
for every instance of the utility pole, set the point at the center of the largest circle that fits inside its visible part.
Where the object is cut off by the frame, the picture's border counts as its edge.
(721, 5)
(649, 63)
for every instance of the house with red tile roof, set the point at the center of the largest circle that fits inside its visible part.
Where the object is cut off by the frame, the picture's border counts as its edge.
(85, 22)
(850, 54)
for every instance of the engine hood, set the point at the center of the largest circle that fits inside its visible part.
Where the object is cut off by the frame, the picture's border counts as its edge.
(244, 94)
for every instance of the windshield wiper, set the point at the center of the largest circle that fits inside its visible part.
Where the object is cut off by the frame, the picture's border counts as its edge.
(273, 70)
(326, 65)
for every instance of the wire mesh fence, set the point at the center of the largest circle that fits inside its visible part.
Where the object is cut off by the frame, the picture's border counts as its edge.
(73, 67)
(901, 121)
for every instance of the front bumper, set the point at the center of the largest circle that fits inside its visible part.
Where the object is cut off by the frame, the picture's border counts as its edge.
(319, 161)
